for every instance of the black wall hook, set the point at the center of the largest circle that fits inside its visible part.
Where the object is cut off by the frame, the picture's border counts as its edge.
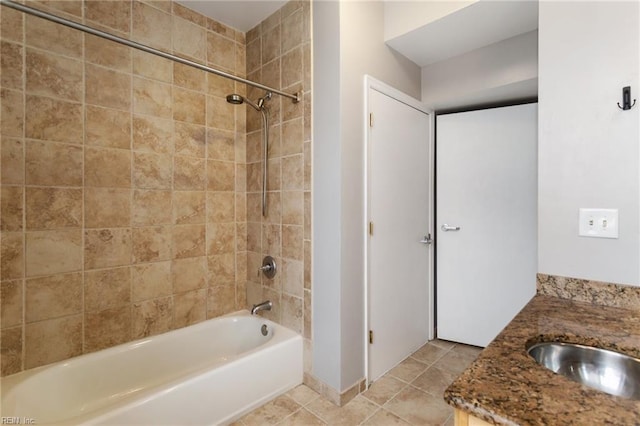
(626, 99)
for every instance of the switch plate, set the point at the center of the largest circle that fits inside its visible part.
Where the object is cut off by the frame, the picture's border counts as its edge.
(598, 223)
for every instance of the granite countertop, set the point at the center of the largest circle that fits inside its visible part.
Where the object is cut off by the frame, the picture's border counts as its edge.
(505, 386)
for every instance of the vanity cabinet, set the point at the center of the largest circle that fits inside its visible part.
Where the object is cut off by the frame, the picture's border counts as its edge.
(465, 419)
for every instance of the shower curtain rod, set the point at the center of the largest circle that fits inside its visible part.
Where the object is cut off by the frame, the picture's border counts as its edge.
(35, 12)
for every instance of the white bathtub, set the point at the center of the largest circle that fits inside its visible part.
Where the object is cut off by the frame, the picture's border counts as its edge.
(209, 373)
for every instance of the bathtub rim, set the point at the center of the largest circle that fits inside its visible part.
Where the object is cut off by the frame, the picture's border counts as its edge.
(121, 346)
(11, 383)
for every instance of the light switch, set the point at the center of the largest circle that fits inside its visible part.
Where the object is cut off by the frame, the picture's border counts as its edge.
(598, 223)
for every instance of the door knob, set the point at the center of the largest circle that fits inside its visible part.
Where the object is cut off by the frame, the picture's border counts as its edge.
(426, 239)
(447, 228)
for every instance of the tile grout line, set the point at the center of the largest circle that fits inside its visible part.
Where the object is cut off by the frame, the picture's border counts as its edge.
(376, 411)
(406, 384)
(288, 415)
(424, 391)
(400, 417)
(385, 407)
(448, 418)
(431, 364)
(381, 407)
(410, 384)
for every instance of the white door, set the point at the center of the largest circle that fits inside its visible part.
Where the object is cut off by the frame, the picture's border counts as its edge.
(398, 207)
(486, 168)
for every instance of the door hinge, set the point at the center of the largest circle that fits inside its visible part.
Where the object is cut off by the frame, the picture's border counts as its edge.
(370, 228)
(370, 119)
(370, 337)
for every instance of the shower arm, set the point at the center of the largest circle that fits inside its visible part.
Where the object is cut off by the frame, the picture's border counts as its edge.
(295, 97)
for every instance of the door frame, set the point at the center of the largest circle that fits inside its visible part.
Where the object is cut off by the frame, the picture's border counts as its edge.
(371, 83)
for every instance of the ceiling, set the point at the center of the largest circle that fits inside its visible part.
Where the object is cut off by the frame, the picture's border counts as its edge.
(477, 25)
(241, 15)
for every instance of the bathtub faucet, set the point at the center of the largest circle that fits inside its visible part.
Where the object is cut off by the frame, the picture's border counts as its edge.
(264, 306)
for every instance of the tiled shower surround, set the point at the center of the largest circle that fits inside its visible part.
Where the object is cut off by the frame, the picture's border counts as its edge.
(130, 187)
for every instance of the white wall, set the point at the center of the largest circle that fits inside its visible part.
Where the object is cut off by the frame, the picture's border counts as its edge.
(362, 52)
(327, 180)
(338, 184)
(503, 71)
(401, 17)
(588, 148)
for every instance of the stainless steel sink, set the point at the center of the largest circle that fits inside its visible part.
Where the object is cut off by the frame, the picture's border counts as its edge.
(608, 371)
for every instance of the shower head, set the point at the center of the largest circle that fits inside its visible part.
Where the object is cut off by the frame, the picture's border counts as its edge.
(235, 99)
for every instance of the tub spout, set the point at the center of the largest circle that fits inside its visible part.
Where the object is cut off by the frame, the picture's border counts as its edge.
(264, 306)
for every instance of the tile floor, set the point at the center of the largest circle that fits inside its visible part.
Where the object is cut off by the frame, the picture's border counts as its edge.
(409, 394)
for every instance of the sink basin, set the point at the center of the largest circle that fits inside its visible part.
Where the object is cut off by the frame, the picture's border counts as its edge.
(607, 371)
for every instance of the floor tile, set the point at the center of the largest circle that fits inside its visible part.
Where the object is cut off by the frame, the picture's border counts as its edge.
(434, 381)
(468, 351)
(428, 354)
(450, 421)
(302, 417)
(444, 344)
(410, 394)
(303, 394)
(353, 413)
(408, 369)
(385, 418)
(454, 362)
(419, 408)
(272, 412)
(384, 389)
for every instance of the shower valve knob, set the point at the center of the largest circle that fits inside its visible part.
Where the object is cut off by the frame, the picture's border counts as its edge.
(268, 267)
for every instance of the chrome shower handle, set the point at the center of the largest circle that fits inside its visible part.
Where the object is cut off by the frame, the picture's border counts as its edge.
(269, 267)
(447, 228)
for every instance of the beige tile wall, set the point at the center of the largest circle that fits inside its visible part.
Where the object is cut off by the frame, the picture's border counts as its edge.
(123, 209)
(279, 55)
